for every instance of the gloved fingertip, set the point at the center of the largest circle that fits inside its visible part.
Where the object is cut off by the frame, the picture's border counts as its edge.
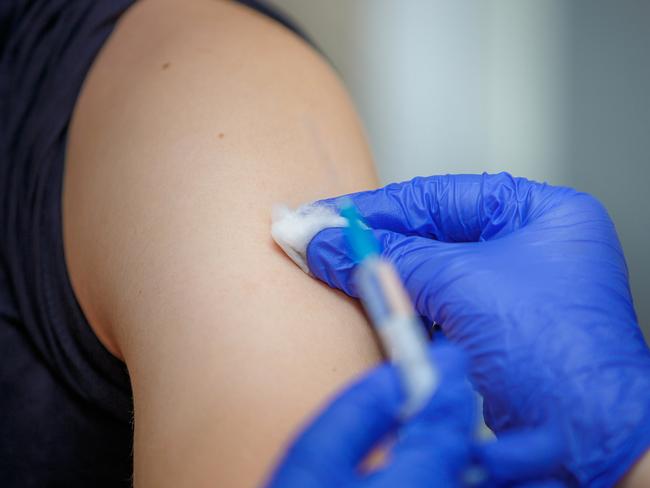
(330, 260)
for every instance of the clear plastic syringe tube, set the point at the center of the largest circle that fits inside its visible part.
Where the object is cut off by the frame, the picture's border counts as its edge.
(400, 330)
(392, 314)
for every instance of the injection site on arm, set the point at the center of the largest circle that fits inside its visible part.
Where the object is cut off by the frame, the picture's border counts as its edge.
(170, 175)
(292, 230)
(379, 288)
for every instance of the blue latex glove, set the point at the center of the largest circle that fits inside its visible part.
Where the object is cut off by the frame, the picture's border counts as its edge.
(531, 280)
(432, 449)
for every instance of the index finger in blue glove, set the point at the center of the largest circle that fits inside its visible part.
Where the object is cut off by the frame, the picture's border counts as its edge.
(457, 208)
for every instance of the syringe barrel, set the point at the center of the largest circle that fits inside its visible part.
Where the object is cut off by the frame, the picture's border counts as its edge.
(403, 338)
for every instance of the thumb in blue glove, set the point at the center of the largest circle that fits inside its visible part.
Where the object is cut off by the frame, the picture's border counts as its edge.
(531, 280)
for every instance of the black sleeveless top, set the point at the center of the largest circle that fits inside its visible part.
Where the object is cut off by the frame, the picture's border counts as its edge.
(65, 401)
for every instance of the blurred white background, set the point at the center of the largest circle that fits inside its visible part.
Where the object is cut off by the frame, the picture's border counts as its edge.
(554, 90)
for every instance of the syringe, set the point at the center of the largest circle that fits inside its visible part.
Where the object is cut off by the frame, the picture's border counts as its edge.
(391, 313)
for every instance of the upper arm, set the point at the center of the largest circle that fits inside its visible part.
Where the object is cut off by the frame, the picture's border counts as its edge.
(195, 119)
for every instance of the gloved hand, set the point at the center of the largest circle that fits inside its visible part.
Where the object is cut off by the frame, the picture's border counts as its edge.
(531, 280)
(432, 449)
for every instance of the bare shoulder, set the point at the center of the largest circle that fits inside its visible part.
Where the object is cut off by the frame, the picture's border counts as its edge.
(197, 117)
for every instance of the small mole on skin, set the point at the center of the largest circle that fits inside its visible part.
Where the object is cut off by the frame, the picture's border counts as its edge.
(166, 65)
(220, 135)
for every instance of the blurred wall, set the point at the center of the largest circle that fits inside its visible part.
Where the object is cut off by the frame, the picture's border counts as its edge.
(554, 90)
(608, 77)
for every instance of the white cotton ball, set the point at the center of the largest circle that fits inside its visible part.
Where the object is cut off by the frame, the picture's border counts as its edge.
(293, 230)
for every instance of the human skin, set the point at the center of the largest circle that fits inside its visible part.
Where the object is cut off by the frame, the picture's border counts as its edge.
(639, 475)
(196, 117)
